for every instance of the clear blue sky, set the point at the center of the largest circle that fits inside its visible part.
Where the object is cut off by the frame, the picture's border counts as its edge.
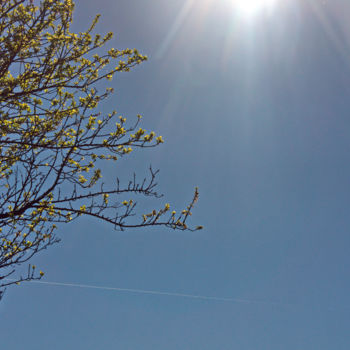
(254, 109)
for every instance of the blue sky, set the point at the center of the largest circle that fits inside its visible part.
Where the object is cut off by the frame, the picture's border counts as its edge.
(254, 110)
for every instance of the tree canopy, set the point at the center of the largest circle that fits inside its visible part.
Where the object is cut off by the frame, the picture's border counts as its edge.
(54, 138)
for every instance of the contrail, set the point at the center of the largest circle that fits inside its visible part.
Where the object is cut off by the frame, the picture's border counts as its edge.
(185, 295)
(158, 292)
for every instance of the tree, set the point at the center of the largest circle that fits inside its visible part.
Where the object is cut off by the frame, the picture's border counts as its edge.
(53, 140)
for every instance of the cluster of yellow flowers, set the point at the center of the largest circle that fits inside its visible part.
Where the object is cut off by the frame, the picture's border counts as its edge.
(51, 136)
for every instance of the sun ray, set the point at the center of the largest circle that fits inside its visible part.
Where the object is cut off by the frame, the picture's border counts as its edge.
(251, 7)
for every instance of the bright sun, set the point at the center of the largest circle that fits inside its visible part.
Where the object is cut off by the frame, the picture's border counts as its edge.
(250, 7)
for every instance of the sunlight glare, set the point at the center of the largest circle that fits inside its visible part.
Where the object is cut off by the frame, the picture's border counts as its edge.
(251, 7)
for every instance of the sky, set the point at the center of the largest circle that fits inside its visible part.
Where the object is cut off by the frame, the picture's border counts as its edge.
(254, 109)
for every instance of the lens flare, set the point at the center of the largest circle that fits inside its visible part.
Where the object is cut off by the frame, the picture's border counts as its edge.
(251, 7)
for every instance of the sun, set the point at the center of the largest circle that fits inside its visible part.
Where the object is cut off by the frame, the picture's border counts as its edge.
(251, 7)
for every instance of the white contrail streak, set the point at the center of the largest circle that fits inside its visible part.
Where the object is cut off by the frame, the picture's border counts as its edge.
(157, 292)
(183, 295)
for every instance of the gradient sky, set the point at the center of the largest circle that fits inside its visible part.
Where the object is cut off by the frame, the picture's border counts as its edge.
(254, 109)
